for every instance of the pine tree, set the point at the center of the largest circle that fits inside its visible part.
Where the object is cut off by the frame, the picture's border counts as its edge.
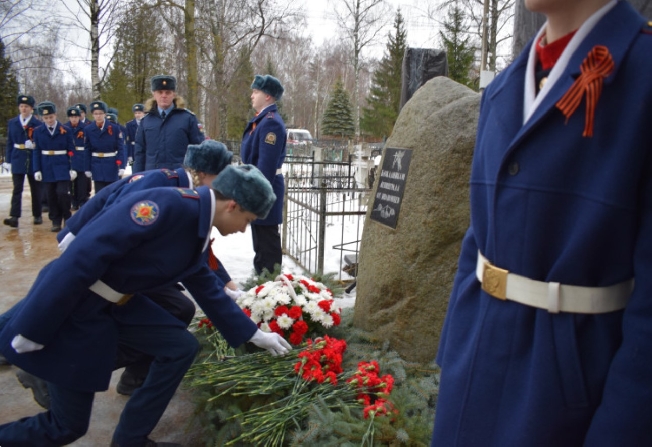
(384, 98)
(460, 50)
(8, 90)
(338, 117)
(137, 59)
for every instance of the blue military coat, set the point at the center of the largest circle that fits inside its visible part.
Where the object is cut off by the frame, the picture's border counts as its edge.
(78, 159)
(52, 154)
(162, 143)
(552, 205)
(162, 240)
(16, 154)
(104, 151)
(263, 145)
(130, 137)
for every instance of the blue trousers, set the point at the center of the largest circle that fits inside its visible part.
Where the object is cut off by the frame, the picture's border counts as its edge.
(173, 348)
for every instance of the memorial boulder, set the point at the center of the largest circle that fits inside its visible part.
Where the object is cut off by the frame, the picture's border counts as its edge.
(408, 255)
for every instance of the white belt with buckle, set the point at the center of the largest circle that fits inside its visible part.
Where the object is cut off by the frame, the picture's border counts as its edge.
(552, 296)
(19, 146)
(53, 152)
(79, 148)
(279, 171)
(106, 292)
(104, 154)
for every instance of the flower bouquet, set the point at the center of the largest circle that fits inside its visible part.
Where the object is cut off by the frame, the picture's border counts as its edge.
(294, 382)
(293, 306)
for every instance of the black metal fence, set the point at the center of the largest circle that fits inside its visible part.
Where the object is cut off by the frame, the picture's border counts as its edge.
(324, 212)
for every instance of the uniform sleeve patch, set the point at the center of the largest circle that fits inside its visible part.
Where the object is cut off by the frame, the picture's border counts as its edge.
(270, 115)
(270, 138)
(188, 193)
(647, 28)
(144, 213)
(136, 177)
(170, 173)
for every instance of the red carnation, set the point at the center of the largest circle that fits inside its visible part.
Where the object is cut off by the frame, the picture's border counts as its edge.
(295, 312)
(70, 153)
(280, 310)
(325, 305)
(274, 327)
(296, 338)
(118, 162)
(300, 327)
(336, 319)
(247, 312)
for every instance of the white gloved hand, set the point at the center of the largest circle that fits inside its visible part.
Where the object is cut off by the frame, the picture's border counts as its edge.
(67, 239)
(6, 166)
(73, 175)
(88, 174)
(121, 172)
(38, 176)
(274, 343)
(29, 144)
(22, 345)
(233, 294)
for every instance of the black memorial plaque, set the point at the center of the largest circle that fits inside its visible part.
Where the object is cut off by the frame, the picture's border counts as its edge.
(391, 183)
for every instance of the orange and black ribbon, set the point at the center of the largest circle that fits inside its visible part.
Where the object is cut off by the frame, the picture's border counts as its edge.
(595, 67)
(212, 259)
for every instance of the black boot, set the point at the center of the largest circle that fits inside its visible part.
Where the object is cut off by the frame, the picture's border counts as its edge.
(11, 221)
(129, 383)
(39, 388)
(38, 220)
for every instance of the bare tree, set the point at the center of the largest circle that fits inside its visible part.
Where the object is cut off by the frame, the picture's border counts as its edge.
(499, 18)
(362, 22)
(97, 19)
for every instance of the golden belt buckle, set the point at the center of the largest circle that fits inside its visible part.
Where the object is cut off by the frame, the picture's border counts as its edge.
(122, 301)
(50, 152)
(494, 281)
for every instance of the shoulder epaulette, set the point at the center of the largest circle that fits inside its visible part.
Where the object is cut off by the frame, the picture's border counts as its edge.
(170, 173)
(188, 193)
(270, 115)
(647, 28)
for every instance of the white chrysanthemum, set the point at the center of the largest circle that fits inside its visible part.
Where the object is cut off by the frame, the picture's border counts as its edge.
(284, 321)
(300, 300)
(246, 301)
(312, 308)
(268, 314)
(326, 320)
(325, 295)
(282, 298)
(265, 327)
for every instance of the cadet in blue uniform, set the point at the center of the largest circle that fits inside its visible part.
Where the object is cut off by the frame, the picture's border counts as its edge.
(202, 164)
(67, 328)
(83, 120)
(548, 336)
(104, 144)
(54, 148)
(263, 145)
(18, 160)
(132, 127)
(114, 116)
(166, 130)
(79, 193)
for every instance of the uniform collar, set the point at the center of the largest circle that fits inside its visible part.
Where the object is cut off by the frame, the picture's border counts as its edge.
(531, 99)
(26, 121)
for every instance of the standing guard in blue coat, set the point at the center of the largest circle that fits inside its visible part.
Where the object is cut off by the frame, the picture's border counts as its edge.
(83, 120)
(114, 116)
(166, 130)
(82, 304)
(79, 193)
(132, 126)
(548, 336)
(263, 145)
(54, 149)
(18, 160)
(104, 144)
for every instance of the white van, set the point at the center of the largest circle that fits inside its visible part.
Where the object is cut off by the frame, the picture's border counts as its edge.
(299, 136)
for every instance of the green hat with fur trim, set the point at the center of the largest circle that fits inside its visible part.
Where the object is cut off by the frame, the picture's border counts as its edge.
(248, 187)
(268, 84)
(210, 157)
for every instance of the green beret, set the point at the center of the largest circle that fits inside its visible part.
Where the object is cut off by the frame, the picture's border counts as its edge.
(164, 82)
(268, 84)
(210, 157)
(248, 187)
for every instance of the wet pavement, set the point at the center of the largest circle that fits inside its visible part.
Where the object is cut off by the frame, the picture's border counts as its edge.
(23, 252)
